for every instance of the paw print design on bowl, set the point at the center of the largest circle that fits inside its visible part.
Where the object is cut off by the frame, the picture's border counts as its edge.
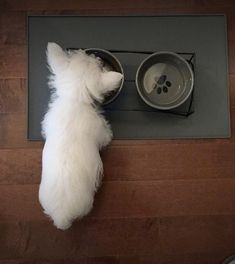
(164, 80)
(162, 84)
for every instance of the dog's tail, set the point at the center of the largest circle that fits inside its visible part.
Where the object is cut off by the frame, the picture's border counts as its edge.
(67, 190)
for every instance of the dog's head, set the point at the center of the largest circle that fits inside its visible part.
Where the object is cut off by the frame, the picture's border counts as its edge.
(79, 75)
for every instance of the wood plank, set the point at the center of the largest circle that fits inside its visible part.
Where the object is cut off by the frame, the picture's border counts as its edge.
(165, 198)
(230, 25)
(133, 199)
(134, 163)
(89, 237)
(171, 6)
(232, 90)
(179, 257)
(193, 258)
(200, 258)
(12, 96)
(78, 260)
(20, 166)
(22, 202)
(10, 239)
(231, 56)
(13, 132)
(232, 118)
(166, 240)
(13, 61)
(169, 161)
(15, 31)
(226, 3)
(94, 5)
(197, 235)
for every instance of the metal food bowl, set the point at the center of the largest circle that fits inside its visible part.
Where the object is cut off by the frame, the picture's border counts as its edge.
(164, 80)
(111, 63)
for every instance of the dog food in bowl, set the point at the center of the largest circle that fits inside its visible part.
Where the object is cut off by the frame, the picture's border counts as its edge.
(111, 63)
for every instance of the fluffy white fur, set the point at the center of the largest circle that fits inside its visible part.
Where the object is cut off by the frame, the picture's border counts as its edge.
(75, 131)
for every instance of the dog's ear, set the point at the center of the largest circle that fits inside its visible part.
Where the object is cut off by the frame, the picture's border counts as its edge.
(57, 59)
(111, 80)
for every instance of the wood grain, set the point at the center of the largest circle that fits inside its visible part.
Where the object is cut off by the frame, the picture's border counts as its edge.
(231, 54)
(13, 132)
(169, 161)
(133, 199)
(94, 5)
(232, 90)
(12, 61)
(215, 235)
(165, 198)
(112, 238)
(20, 166)
(15, 31)
(134, 163)
(78, 260)
(170, 5)
(194, 258)
(12, 96)
(182, 235)
(195, 237)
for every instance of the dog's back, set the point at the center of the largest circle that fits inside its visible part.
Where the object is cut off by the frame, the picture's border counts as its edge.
(74, 132)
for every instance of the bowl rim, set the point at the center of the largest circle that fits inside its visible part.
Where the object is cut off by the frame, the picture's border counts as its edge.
(121, 68)
(229, 259)
(167, 53)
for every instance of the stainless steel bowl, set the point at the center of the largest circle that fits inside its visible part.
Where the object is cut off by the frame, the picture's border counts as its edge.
(112, 64)
(164, 80)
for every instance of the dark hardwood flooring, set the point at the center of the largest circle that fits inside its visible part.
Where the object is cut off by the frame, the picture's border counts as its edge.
(162, 201)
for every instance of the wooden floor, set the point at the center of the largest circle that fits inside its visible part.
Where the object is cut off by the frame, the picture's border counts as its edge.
(163, 201)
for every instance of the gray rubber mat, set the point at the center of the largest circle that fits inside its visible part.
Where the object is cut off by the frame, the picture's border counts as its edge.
(205, 36)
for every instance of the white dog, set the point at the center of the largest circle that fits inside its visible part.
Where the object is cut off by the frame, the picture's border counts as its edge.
(74, 131)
